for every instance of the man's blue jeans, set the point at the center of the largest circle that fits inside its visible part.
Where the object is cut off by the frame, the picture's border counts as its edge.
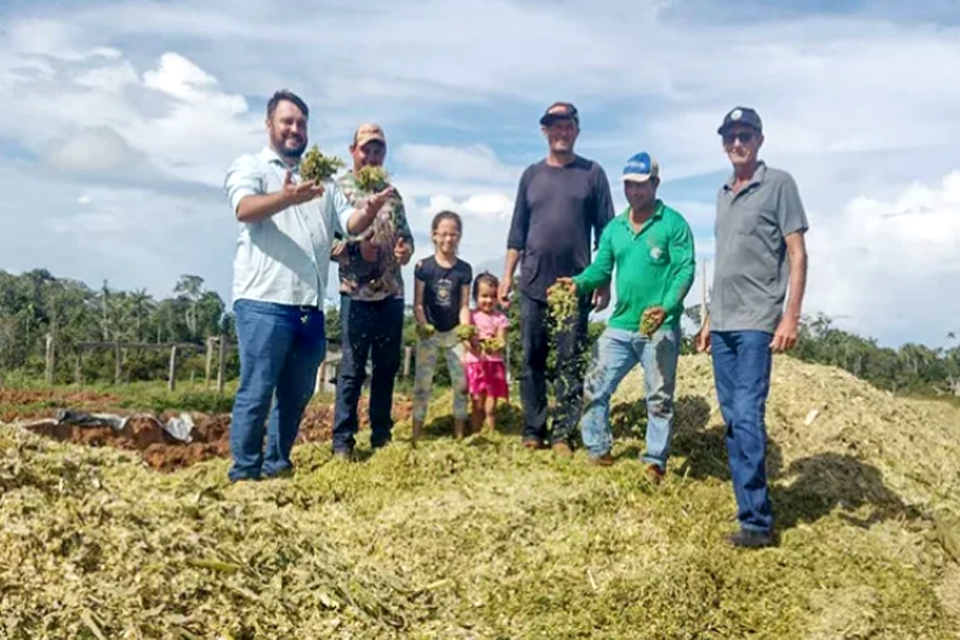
(741, 366)
(618, 352)
(281, 347)
(374, 330)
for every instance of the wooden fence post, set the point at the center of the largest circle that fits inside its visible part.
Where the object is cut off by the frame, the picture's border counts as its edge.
(49, 361)
(406, 361)
(221, 364)
(117, 364)
(209, 369)
(172, 379)
(79, 372)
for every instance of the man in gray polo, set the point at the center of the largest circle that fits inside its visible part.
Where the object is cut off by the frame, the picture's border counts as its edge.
(760, 247)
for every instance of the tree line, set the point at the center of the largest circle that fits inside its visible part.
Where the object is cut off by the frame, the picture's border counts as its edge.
(36, 304)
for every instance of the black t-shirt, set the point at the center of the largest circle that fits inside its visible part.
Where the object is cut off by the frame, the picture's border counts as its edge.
(556, 211)
(442, 290)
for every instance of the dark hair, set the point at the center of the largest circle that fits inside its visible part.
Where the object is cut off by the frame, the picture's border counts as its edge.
(446, 215)
(289, 96)
(484, 278)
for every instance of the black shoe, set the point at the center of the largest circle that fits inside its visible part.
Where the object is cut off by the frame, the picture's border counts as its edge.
(286, 472)
(751, 539)
(533, 443)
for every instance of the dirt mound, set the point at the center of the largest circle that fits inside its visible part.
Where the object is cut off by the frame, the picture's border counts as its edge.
(210, 435)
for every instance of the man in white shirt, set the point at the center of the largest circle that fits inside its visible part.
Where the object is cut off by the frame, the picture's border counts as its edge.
(287, 226)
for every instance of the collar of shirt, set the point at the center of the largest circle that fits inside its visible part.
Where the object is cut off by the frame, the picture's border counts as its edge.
(758, 175)
(624, 218)
(269, 156)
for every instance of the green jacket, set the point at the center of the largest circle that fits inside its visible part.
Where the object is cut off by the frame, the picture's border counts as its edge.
(655, 266)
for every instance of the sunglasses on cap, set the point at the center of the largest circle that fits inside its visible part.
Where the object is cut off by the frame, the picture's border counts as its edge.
(745, 137)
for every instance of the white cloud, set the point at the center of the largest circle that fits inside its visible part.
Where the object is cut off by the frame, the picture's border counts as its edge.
(93, 150)
(891, 268)
(488, 206)
(154, 95)
(477, 163)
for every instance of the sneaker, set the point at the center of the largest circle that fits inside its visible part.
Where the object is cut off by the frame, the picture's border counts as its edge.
(751, 539)
(561, 449)
(654, 474)
(601, 461)
(532, 443)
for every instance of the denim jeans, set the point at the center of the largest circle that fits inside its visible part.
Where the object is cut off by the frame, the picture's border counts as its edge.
(371, 330)
(427, 348)
(571, 343)
(741, 366)
(618, 352)
(281, 347)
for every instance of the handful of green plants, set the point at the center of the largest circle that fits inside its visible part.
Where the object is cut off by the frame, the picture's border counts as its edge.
(426, 330)
(493, 345)
(372, 179)
(649, 323)
(562, 303)
(466, 332)
(316, 166)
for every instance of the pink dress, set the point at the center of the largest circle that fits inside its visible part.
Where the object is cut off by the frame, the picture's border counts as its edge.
(487, 372)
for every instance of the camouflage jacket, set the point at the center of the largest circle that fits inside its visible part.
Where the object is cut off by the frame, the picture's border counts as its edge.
(378, 280)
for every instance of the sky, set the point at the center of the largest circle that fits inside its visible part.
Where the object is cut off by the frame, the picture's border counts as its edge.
(119, 119)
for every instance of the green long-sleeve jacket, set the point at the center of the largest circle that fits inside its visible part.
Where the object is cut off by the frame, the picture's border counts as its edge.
(655, 266)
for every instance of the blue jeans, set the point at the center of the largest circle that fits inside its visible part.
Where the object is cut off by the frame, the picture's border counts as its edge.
(281, 347)
(371, 330)
(741, 367)
(618, 352)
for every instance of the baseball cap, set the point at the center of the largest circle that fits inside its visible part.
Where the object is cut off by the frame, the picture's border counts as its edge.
(557, 111)
(367, 132)
(741, 115)
(640, 168)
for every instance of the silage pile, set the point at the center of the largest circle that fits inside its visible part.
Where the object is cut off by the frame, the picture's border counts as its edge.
(483, 539)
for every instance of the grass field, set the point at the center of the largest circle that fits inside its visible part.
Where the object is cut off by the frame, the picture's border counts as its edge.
(483, 539)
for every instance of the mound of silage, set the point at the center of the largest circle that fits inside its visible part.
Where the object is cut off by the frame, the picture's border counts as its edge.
(484, 539)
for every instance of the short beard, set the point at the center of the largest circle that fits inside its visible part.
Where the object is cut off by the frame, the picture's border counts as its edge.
(292, 154)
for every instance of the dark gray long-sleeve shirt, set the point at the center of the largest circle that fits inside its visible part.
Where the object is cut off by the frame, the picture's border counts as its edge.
(556, 210)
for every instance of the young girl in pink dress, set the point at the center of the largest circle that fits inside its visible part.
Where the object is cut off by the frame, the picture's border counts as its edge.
(486, 370)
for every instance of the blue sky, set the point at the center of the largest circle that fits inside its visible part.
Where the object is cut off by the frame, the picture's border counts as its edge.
(119, 119)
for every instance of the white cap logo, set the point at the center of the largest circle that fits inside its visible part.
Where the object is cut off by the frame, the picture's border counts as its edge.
(736, 115)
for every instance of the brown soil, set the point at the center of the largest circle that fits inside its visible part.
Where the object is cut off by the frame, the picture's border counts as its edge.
(17, 404)
(211, 434)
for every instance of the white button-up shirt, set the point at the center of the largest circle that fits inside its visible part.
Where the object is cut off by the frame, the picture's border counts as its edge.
(284, 258)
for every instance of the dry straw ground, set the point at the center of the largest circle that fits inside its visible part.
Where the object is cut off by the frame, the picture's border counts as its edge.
(483, 539)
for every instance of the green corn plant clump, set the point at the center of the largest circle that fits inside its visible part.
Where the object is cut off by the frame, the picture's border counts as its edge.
(648, 325)
(317, 167)
(493, 345)
(426, 330)
(372, 179)
(466, 332)
(562, 302)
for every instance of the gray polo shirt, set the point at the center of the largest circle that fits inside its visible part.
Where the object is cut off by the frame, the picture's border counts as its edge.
(752, 269)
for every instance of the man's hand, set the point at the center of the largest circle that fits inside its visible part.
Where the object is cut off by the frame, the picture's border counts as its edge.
(377, 200)
(369, 251)
(300, 193)
(701, 341)
(563, 283)
(402, 252)
(506, 285)
(785, 338)
(601, 298)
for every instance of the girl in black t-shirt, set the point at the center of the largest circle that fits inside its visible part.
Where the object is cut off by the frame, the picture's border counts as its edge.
(441, 303)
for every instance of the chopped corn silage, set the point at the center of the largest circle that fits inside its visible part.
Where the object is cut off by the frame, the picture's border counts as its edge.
(484, 539)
